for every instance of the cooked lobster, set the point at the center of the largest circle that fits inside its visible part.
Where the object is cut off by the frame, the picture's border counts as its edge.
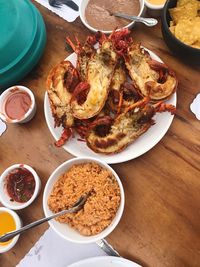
(61, 82)
(99, 75)
(98, 100)
(109, 137)
(152, 78)
(84, 53)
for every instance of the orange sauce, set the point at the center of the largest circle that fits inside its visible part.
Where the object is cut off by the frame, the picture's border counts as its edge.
(7, 224)
(156, 2)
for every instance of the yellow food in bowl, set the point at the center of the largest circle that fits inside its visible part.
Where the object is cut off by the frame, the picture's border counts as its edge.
(7, 224)
(185, 24)
(156, 2)
(102, 204)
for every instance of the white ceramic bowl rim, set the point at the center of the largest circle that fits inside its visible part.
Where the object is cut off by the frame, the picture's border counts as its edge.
(18, 225)
(17, 205)
(116, 219)
(82, 16)
(155, 7)
(3, 96)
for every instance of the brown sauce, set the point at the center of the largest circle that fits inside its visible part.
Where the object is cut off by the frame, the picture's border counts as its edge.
(97, 13)
(17, 104)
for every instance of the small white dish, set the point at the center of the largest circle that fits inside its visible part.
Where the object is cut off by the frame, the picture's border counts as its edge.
(28, 115)
(64, 230)
(83, 6)
(195, 106)
(5, 248)
(154, 10)
(3, 127)
(4, 197)
(108, 261)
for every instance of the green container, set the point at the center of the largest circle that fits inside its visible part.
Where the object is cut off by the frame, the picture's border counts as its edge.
(22, 40)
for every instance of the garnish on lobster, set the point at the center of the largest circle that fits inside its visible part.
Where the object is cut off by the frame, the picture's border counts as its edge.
(151, 77)
(127, 127)
(61, 82)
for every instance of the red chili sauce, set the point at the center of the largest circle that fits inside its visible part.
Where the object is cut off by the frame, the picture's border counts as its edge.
(20, 185)
(17, 104)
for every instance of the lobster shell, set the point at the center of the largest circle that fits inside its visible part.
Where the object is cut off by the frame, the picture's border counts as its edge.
(60, 83)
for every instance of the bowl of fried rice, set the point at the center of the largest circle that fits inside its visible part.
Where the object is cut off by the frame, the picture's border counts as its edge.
(103, 208)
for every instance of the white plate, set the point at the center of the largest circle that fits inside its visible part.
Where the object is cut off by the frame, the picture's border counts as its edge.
(143, 144)
(104, 261)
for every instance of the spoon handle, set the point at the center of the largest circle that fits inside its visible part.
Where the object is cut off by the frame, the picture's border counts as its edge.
(147, 21)
(76, 207)
(12, 234)
(103, 244)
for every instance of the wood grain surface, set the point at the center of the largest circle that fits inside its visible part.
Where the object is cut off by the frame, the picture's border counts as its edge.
(160, 226)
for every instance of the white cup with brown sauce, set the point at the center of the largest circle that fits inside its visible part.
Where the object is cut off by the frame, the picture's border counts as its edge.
(96, 14)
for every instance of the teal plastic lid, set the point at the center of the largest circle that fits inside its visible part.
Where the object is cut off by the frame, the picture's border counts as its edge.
(18, 22)
(22, 39)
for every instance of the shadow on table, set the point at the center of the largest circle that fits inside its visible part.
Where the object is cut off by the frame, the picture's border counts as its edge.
(136, 260)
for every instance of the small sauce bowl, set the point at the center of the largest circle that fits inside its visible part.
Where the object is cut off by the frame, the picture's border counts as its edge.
(21, 102)
(154, 9)
(6, 199)
(9, 221)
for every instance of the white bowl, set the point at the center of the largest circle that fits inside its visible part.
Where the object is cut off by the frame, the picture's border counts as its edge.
(4, 197)
(64, 230)
(154, 10)
(84, 21)
(18, 223)
(29, 114)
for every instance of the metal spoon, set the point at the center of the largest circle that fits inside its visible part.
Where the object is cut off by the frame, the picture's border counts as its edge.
(76, 207)
(147, 21)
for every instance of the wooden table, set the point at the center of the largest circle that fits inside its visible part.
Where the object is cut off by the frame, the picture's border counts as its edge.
(160, 226)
